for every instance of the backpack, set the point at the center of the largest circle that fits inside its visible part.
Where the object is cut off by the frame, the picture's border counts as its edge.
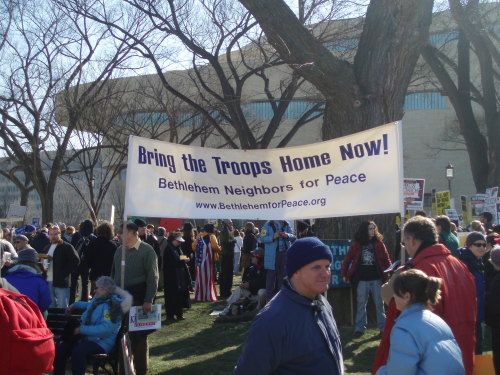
(27, 345)
(81, 246)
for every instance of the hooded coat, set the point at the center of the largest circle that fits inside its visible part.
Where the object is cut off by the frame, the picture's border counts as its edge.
(101, 329)
(31, 284)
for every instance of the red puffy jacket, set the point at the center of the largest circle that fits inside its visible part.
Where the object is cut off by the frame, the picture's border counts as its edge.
(353, 257)
(457, 306)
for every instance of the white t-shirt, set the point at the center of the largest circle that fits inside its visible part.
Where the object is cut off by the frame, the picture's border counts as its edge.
(50, 275)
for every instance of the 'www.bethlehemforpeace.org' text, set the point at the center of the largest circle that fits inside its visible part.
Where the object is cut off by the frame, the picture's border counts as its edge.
(262, 206)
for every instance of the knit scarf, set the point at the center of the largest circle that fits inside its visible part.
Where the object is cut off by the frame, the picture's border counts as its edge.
(112, 301)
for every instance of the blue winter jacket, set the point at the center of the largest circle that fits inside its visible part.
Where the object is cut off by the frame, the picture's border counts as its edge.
(101, 329)
(292, 335)
(31, 284)
(422, 344)
(271, 245)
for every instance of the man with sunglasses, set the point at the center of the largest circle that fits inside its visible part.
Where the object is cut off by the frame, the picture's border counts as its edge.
(457, 306)
(21, 242)
(471, 255)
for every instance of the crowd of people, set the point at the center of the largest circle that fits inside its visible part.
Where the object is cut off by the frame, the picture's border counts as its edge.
(431, 310)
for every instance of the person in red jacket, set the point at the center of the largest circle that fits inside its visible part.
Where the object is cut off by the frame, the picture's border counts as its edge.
(457, 306)
(364, 264)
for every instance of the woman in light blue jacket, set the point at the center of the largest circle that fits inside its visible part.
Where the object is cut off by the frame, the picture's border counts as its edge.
(421, 342)
(99, 326)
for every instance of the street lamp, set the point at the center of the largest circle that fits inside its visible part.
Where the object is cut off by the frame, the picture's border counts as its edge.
(449, 175)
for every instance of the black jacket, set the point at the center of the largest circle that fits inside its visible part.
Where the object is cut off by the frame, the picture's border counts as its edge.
(255, 277)
(65, 261)
(99, 256)
(249, 243)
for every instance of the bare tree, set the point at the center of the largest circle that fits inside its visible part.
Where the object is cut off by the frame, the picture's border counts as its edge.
(49, 51)
(7, 8)
(364, 93)
(452, 68)
(228, 53)
(12, 173)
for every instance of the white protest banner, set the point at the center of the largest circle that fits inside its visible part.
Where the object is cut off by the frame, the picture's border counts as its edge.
(414, 193)
(359, 174)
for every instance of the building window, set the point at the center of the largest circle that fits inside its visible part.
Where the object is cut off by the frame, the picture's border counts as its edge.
(442, 38)
(260, 111)
(123, 174)
(424, 100)
(342, 45)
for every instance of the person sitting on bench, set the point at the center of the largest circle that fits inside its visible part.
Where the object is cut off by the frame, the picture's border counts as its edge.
(253, 283)
(98, 327)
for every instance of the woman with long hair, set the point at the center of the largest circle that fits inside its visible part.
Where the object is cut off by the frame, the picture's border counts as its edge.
(364, 264)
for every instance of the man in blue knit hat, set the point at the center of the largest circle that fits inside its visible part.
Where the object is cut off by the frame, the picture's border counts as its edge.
(296, 332)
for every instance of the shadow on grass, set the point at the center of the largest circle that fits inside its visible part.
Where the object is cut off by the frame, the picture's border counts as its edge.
(209, 340)
(222, 364)
(359, 352)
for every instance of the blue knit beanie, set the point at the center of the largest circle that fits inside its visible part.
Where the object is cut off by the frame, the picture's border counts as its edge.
(305, 251)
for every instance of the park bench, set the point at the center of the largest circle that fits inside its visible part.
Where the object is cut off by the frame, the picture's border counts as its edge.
(56, 321)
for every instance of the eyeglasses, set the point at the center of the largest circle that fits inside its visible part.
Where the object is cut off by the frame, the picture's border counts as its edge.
(479, 244)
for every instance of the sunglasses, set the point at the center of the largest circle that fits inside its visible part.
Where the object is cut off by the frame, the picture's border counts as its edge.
(479, 244)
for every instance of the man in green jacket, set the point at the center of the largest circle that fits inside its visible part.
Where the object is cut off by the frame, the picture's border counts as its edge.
(446, 237)
(141, 280)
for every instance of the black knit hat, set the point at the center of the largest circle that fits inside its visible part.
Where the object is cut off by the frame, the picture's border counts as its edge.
(140, 223)
(473, 237)
(304, 251)
(27, 255)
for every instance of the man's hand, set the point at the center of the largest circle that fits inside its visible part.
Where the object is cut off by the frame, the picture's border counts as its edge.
(245, 285)
(284, 234)
(276, 235)
(147, 307)
(76, 331)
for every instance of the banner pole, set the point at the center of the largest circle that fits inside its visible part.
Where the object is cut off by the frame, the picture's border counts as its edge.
(401, 185)
(125, 215)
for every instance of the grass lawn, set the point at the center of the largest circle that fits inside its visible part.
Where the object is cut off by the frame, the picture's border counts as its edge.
(197, 346)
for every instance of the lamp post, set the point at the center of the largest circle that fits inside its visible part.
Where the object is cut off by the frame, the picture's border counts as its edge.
(449, 175)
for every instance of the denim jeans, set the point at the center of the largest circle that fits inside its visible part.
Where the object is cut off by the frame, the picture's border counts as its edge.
(236, 264)
(60, 296)
(365, 288)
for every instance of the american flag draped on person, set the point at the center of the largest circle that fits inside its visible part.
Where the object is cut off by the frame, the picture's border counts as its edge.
(205, 245)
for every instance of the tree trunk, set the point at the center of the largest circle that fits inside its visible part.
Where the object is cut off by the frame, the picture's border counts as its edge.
(368, 93)
(460, 98)
(47, 202)
(24, 196)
